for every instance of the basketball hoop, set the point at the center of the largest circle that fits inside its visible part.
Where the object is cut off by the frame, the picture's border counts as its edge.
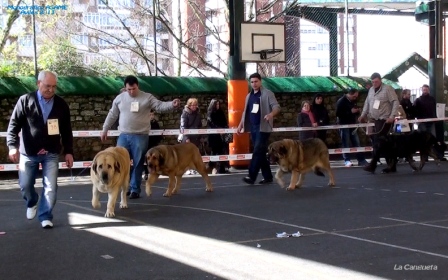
(264, 53)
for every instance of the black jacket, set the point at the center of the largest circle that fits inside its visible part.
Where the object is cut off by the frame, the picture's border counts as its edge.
(425, 107)
(27, 116)
(344, 111)
(408, 108)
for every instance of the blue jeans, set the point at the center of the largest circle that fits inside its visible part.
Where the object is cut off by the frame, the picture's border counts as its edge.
(259, 157)
(28, 169)
(137, 145)
(347, 137)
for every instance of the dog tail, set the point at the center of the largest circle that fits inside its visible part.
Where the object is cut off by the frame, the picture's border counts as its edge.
(318, 172)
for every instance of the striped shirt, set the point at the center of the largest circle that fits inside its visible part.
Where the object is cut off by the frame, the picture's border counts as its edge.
(382, 104)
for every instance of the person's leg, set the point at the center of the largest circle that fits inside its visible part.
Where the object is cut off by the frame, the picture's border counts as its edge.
(262, 151)
(354, 138)
(345, 141)
(50, 170)
(122, 141)
(138, 145)
(28, 168)
(254, 165)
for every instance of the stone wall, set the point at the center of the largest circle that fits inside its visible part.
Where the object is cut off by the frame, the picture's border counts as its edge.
(89, 113)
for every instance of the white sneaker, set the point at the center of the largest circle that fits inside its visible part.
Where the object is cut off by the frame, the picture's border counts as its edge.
(214, 171)
(46, 224)
(31, 212)
(348, 164)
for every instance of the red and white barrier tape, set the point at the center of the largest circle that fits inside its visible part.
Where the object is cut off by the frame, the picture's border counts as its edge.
(86, 164)
(96, 133)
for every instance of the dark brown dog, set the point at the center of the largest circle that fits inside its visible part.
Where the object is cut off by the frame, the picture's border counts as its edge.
(299, 157)
(173, 161)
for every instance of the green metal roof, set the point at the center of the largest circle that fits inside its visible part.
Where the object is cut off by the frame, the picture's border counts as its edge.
(179, 86)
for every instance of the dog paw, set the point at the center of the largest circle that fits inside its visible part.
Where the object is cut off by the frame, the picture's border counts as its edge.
(123, 206)
(96, 205)
(109, 214)
(209, 189)
(291, 188)
(331, 184)
(167, 194)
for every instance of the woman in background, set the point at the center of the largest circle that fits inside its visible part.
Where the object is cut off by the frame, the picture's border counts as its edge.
(320, 114)
(306, 119)
(216, 118)
(191, 119)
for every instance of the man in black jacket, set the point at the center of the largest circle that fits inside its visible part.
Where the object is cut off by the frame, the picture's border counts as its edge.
(44, 119)
(347, 112)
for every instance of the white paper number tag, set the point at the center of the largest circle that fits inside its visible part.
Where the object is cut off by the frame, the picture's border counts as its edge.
(255, 108)
(376, 104)
(134, 107)
(53, 127)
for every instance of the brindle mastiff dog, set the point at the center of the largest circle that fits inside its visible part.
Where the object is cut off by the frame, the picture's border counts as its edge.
(300, 157)
(173, 161)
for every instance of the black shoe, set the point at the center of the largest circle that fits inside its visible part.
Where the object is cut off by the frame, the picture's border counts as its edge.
(128, 193)
(389, 170)
(369, 168)
(443, 159)
(134, 195)
(265, 181)
(248, 180)
(145, 177)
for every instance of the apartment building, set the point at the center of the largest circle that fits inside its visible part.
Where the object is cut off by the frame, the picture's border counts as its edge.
(191, 41)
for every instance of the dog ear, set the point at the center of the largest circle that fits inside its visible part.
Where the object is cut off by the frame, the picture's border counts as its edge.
(161, 160)
(94, 167)
(117, 166)
(282, 150)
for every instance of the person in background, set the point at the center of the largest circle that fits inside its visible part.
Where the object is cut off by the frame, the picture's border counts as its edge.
(260, 108)
(306, 119)
(425, 108)
(407, 105)
(216, 118)
(347, 112)
(321, 116)
(191, 119)
(44, 120)
(132, 108)
(153, 140)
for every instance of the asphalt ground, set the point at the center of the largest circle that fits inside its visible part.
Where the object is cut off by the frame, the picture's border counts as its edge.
(370, 226)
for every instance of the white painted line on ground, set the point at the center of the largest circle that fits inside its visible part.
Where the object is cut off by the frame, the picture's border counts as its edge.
(414, 223)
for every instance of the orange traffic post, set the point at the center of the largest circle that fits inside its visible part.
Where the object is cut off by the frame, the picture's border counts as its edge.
(237, 91)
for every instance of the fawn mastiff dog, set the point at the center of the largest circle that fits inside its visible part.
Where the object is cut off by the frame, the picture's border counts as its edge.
(300, 157)
(173, 161)
(109, 174)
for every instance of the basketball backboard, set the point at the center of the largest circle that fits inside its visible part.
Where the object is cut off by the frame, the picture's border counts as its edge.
(262, 42)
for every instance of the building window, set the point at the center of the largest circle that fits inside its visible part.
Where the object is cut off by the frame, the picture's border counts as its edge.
(117, 3)
(79, 40)
(165, 44)
(323, 63)
(26, 41)
(209, 47)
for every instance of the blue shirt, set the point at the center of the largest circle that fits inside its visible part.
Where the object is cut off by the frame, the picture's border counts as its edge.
(45, 106)
(254, 98)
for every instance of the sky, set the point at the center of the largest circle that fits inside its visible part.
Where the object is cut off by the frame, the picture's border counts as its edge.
(386, 41)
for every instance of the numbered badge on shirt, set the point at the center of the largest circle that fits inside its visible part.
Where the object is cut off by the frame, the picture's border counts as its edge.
(134, 107)
(376, 104)
(53, 127)
(255, 108)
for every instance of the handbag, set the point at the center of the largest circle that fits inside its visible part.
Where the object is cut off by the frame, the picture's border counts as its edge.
(227, 137)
